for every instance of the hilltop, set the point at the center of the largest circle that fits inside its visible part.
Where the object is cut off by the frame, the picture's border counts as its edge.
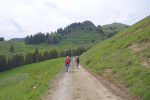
(111, 29)
(77, 33)
(82, 33)
(124, 58)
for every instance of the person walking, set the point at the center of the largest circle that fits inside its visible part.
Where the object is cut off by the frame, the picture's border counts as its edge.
(67, 63)
(77, 61)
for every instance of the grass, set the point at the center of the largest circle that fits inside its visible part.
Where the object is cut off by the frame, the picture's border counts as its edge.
(82, 38)
(125, 64)
(114, 27)
(18, 83)
(22, 48)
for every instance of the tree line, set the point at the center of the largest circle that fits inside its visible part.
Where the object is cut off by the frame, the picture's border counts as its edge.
(36, 56)
(38, 38)
(2, 39)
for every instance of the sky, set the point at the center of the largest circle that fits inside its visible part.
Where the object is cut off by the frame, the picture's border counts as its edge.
(19, 18)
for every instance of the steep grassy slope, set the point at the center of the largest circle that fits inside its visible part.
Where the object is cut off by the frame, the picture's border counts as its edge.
(29, 82)
(125, 58)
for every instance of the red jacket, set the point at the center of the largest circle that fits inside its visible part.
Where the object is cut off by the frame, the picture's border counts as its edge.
(67, 61)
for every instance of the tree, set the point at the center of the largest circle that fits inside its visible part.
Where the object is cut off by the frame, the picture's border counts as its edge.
(53, 54)
(27, 40)
(29, 58)
(60, 31)
(9, 63)
(47, 36)
(68, 52)
(2, 62)
(38, 38)
(36, 55)
(45, 56)
(62, 54)
(2, 39)
(100, 30)
(17, 60)
(11, 48)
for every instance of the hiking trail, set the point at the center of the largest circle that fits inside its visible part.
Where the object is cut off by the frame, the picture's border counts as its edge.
(79, 84)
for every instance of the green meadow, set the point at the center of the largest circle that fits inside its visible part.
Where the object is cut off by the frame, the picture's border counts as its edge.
(29, 82)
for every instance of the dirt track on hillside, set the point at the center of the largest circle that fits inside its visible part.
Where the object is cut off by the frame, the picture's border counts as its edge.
(79, 84)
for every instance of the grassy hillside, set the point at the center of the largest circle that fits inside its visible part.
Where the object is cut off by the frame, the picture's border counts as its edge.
(84, 33)
(22, 48)
(113, 28)
(82, 37)
(29, 82)
(125, 58)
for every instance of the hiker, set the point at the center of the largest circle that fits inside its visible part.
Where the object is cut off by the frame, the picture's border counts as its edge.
(77, 61)
(67, 63)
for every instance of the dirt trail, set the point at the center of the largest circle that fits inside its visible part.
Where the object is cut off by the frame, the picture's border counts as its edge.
(79, 84)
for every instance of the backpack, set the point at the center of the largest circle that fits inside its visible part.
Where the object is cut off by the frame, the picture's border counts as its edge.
(77, 59)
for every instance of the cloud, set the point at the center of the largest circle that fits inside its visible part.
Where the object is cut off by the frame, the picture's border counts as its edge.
(15, 24)
(23, 17)
(51, 4)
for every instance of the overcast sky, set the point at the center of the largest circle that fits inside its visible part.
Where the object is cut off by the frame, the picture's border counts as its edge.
(19, 18)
